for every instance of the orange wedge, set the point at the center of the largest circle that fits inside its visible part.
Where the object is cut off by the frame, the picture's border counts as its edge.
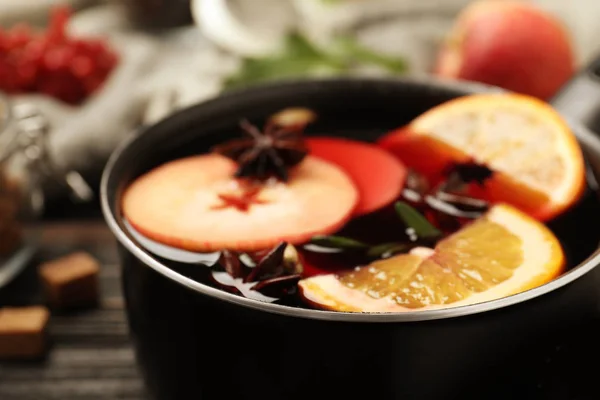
(500, 254)
(537, 161)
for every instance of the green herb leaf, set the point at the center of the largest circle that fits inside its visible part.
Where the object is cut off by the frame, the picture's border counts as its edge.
(415, 220)
(338, 242)
(301, 59)
(388, 249)
(298, 59)
(353, 52)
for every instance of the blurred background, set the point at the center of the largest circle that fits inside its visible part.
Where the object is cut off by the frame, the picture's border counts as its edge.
(99, 69)
(77, 77)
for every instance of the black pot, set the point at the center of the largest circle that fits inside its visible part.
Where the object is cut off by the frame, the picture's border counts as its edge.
(196, 342)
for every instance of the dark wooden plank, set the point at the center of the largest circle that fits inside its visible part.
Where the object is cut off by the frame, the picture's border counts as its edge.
(90, 356)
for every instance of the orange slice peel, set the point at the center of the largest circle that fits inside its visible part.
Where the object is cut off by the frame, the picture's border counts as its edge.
(537, 162)
(500, 254)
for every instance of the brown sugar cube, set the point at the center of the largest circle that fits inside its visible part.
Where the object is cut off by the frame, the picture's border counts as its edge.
(23, 332)
(71, 281)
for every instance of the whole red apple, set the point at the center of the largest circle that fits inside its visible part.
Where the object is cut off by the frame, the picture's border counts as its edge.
(510, 44)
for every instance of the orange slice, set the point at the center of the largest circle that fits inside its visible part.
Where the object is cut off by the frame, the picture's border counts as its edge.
(538, 163)
(195, 204)
(502, 253)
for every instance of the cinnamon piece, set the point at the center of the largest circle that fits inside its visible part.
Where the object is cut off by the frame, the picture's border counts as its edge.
(71, 281)
(23, 333)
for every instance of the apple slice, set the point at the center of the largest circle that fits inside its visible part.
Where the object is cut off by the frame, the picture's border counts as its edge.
(378, 175)
(195, 204)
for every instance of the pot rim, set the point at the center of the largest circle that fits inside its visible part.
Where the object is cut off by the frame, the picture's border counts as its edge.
(582, 133)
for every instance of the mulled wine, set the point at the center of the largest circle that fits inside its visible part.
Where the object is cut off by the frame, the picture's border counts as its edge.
(472, 201)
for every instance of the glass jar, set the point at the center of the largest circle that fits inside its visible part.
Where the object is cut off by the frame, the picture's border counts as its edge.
(15, 249)
(25, 168)
(10, 196)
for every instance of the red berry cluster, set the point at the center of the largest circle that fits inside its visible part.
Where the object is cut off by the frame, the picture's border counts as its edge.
(53, 63)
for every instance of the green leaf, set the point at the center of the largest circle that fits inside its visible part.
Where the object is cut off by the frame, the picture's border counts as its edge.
(388, 249)
(413, 219)
(338, 242)
(354, 52)
(301, 59)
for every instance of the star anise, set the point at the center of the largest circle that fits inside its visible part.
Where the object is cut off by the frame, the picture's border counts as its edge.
(279, 286)
(272, 151)
(449, 200)
(468, 172)
(274, 264)
(232, 264)
(274, 272)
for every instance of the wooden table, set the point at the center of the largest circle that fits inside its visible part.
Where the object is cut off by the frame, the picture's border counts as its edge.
(91, 357)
